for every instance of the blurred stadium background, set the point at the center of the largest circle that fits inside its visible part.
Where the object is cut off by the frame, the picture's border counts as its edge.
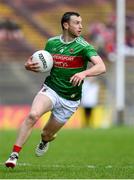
(25, 25)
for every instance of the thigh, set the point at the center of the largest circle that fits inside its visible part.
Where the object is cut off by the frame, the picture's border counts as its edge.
(53, 125)
(41, 104)
(65, 109)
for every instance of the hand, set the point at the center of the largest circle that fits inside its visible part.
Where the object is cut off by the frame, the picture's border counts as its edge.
(77, 78)
(29, 65)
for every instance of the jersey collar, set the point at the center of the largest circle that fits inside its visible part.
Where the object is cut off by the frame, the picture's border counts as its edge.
(66, 42)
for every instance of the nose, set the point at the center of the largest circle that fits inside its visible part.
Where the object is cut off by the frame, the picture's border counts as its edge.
(80, 26)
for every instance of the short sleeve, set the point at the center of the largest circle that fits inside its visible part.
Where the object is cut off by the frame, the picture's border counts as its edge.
(89, 51)
(46, 47)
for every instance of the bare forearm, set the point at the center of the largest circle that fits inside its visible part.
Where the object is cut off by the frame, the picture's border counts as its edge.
(95, 70)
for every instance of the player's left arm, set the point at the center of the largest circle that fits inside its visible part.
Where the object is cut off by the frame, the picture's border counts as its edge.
(97, 68)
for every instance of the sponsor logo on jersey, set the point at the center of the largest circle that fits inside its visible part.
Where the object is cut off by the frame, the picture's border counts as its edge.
(64, 61)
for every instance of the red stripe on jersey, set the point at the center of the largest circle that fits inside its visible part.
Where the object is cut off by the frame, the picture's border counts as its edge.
(68, 61)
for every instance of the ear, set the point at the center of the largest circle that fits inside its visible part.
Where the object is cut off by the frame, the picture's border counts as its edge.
(65, 24)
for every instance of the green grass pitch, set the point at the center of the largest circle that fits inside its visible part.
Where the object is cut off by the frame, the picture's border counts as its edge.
(75, 154)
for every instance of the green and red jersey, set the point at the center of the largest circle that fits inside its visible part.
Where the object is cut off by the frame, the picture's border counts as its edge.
(69, 58)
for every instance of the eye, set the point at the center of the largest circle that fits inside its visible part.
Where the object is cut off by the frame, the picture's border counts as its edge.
(77, 22)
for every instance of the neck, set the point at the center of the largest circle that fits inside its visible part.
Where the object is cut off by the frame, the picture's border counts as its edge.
(67, 38)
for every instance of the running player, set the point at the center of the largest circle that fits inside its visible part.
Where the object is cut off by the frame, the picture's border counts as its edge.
(61, 91)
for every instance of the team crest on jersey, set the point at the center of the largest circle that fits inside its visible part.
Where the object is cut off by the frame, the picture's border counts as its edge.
(71, 50)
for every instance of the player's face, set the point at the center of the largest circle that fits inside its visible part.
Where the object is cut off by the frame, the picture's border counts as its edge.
(74, 26)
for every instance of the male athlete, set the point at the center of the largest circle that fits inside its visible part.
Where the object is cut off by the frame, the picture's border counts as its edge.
(61, 91)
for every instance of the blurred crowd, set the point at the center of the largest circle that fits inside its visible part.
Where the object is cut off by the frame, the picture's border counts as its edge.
(103, 35)
(10, 30)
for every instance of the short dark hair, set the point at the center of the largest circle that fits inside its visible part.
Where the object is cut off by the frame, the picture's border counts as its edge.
(66, 17)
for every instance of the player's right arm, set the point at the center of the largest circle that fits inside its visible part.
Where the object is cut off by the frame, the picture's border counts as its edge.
(31, 66)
